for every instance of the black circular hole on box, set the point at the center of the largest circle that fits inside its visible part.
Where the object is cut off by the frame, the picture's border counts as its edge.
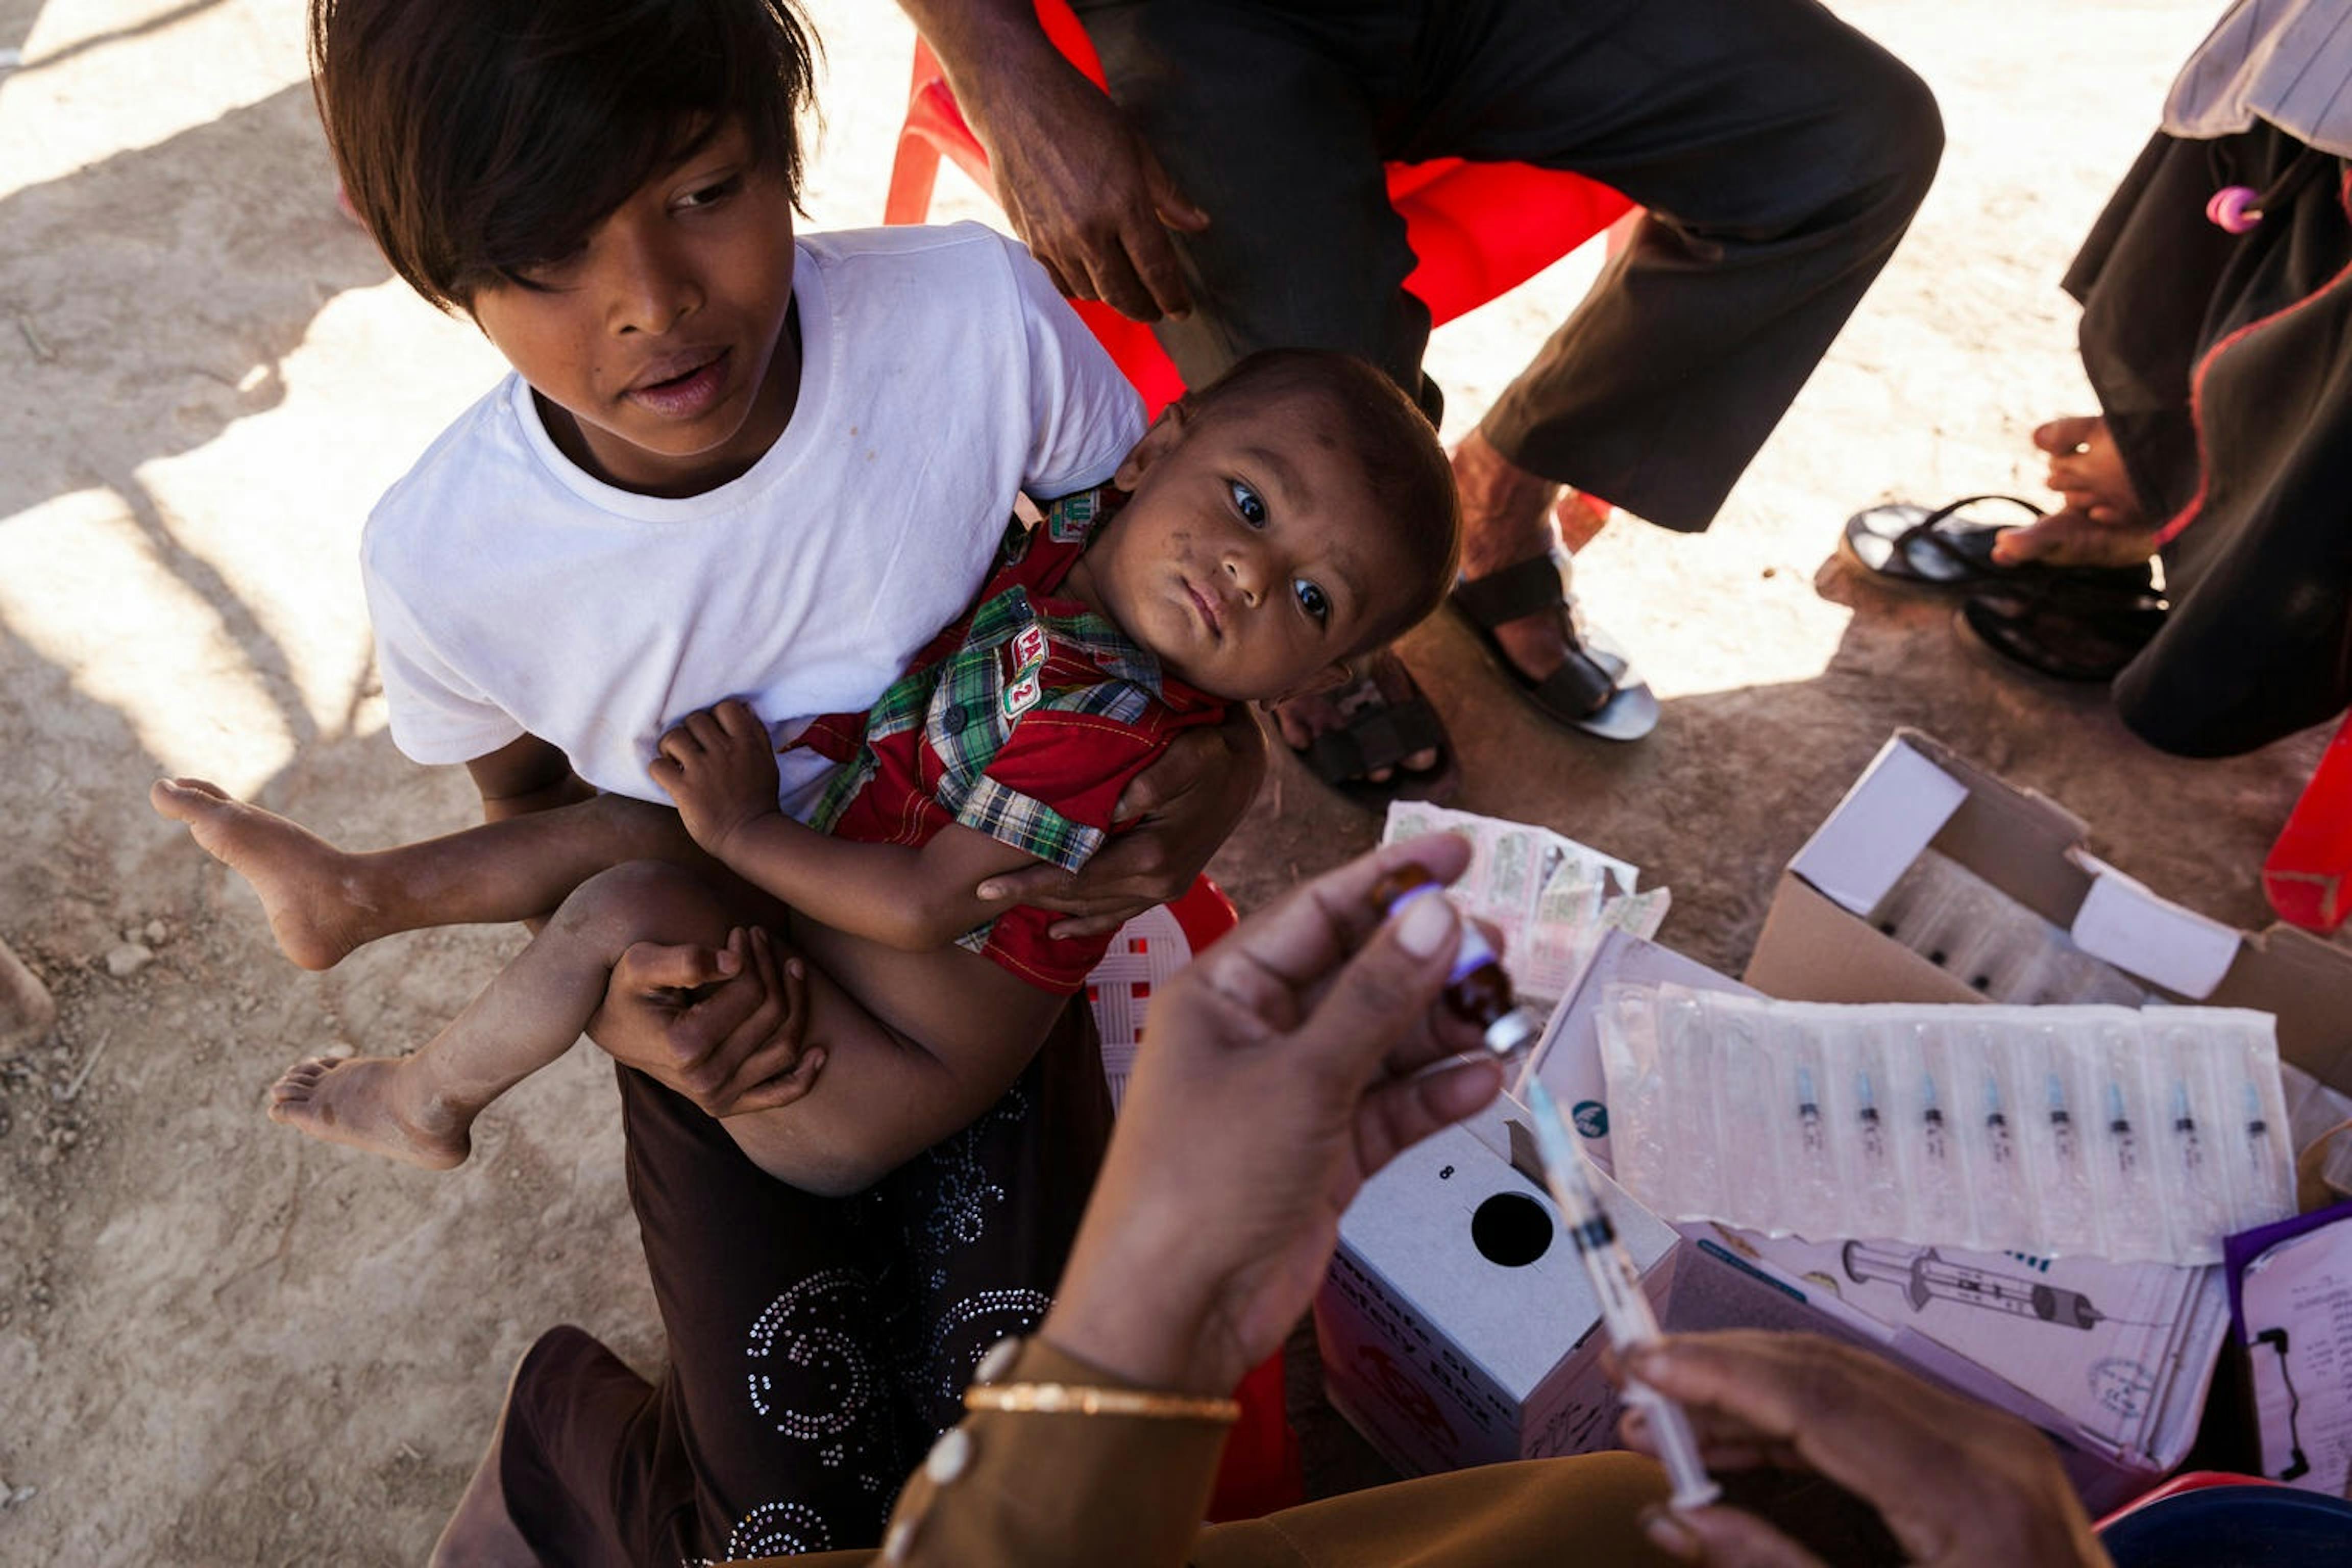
(1511, 1229)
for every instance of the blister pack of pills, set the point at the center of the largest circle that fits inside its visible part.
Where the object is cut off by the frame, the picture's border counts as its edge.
(2114, 1132)
(1964, 925)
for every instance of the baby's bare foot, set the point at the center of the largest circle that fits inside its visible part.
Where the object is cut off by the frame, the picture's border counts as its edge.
(309, 887)
(369, 1102)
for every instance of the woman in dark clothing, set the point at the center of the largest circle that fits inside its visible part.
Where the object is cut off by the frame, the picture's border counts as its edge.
(2222, 361)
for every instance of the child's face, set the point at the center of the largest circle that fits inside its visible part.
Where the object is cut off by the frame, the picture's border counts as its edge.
(660, 336)
(1251, 560)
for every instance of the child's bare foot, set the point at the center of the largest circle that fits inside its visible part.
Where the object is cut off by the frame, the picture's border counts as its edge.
(369, 1103)
(307, 886)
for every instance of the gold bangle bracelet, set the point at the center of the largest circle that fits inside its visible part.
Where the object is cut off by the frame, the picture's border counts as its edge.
(1074, 1399)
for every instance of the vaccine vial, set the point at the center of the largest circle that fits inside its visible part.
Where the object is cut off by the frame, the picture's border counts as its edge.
(1477, 990)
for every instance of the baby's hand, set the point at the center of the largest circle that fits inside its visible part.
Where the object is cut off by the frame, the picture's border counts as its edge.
(720, 769)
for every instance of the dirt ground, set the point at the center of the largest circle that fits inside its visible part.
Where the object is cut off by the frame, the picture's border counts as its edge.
(221, 1344)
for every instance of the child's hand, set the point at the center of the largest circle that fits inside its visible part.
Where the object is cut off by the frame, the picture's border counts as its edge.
(720, 769)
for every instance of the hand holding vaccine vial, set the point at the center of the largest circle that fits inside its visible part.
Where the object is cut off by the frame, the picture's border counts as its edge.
(1478, 990)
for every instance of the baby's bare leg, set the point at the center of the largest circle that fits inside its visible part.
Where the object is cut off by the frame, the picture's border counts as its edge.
(421, 1108)
(324, 901)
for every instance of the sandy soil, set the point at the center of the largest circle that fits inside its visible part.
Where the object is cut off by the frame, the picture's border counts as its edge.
(220, 1344)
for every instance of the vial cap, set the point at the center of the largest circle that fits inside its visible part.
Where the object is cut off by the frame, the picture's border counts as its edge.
(1514, 1032)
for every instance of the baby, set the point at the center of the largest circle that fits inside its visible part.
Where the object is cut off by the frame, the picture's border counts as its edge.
(1265, 531)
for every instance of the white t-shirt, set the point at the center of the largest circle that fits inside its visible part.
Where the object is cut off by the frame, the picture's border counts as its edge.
(513, 593)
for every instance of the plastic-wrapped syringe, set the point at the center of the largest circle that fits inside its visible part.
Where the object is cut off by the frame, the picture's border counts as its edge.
(1625, 1312)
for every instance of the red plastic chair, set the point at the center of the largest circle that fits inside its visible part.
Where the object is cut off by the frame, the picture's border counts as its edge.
(1260, 1470)
(2308, 873)
(2188, 1481)
(1478, 230)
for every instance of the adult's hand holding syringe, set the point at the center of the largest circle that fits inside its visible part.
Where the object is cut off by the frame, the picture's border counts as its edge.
(1625, 1312)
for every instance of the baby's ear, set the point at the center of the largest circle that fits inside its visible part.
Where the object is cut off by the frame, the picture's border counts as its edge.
(1330, 677)
(1166, 434)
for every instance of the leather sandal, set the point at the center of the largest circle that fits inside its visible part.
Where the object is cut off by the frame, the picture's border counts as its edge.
(2083, 637)
(1375, 732)
(1596, 689)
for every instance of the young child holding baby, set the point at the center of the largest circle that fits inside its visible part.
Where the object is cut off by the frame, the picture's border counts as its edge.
(732, 464)
(1265, 531)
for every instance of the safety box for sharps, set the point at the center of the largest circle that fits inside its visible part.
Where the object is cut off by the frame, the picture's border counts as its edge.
(1457, 1326)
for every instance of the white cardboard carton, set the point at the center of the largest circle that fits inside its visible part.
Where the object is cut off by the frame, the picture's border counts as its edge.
(1818, 946)
(1455, 1325)
(2115, 1368)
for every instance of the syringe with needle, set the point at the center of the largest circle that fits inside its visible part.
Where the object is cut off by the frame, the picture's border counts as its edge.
(1625, 1311)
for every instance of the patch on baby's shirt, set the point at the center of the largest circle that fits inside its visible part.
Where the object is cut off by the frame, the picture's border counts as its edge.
(1021, 696)
(1028, 648)
(1072, 518)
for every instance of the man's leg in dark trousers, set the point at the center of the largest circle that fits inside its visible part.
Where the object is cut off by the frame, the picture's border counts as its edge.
(1269, 122)
(1780, 155)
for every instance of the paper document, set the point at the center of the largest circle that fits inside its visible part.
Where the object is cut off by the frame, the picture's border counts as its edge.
(2294, 1298)
(1549, 896)
(2104, 1345)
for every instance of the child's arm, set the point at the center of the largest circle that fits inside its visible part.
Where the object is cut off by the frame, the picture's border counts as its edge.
(720, 769)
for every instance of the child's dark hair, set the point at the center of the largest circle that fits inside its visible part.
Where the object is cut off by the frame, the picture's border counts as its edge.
(477, 138)
(1393, 445)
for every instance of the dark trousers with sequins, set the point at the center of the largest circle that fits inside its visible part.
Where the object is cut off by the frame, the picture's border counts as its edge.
(817, 1346)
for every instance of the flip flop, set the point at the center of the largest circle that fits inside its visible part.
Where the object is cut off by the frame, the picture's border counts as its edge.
(1379, 733)
(1908, 547)
(1597, 689)
(2083, 638)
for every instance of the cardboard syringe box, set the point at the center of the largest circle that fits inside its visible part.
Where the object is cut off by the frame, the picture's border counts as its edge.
(1457, 1326)
(1818, 944)
(1733, 1278)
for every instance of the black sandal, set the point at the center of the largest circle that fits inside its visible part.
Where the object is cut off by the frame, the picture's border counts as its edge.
(1378, 734)
(1597, 689)
(2084, 637)
(1910, 548)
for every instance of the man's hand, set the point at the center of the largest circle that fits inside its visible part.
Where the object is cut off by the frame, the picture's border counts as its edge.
(1078, 183)
(723, 1026)
(1181, 808)
(1956, 1481)
(720, 767)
